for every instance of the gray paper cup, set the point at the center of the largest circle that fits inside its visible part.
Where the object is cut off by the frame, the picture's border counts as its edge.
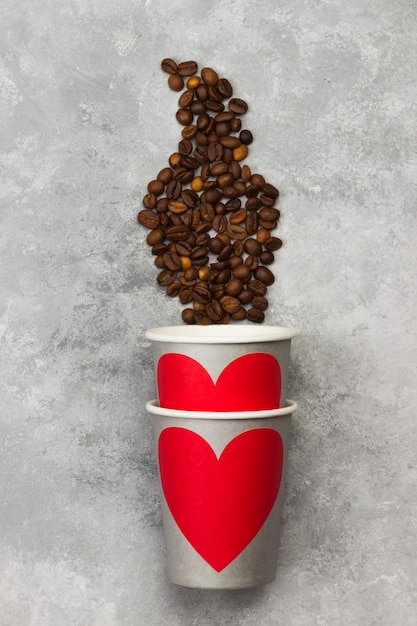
(221, 368)
(222, 490)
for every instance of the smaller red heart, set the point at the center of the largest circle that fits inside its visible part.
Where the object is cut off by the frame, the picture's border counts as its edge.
(251, 382)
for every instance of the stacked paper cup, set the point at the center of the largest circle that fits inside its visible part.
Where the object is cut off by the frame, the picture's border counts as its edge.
(222, 426)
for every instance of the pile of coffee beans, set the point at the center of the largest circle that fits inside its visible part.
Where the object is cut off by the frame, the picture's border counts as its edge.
(210, 218)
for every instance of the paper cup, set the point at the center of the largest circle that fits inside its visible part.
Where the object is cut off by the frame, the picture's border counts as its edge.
(222, 489)
(221, 368)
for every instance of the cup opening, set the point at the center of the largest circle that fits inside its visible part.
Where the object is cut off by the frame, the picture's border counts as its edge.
(220, 334)
(153, 407)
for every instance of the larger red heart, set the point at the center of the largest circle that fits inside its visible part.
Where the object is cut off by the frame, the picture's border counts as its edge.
(220, 503)
(251, 382)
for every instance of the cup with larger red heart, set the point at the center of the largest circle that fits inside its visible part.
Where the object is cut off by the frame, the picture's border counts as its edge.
(222, 479)
(221, 368)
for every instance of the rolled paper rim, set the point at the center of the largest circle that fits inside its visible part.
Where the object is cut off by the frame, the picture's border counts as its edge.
(220, 334)
(153, 407)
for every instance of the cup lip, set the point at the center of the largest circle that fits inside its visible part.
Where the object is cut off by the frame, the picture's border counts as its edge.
(152, 406)
(220, 334)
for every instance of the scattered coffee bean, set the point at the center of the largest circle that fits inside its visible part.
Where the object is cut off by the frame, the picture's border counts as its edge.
(210, 219)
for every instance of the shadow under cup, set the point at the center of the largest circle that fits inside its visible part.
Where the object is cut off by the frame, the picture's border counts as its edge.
(221, 368)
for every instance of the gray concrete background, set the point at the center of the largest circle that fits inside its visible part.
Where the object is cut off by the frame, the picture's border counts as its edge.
(86, 121)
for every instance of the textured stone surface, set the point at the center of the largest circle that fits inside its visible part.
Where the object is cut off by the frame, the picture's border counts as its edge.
(86, 120)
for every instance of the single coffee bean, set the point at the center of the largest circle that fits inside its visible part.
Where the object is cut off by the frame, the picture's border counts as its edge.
(207, 212)
(175, 82)
(214, 106)
(182, 248)
(177, 207)
(235, 259)
(192, 218)
(198, 253)
(187, 316)
(165, 175)
(186, 98)
(219, 168)
(258, 287)
(159, 248)
(172, 261)
(214, 310)
(229, 192)
(270, 190)
(240, 153)
(222, 129)
(264, 274)
(192, 163)
(258, 180)
(240, 187)
(230, 304)
(201, 293)
(223, 277)
(212, 196)
(149, 201)
(177, 233)
(226, 252)
(202, 92)
(187, 68)
(202, 239)
(243, 272)
(238, 246)
(162, 205)
(209, 76)
(169, 66)
(234, 287)
(252, 262)
(236, 232)
(267, 200)
(189, 132)
(197, 107)
(246, 137)
(251, 222)
(215, 245)
(156, 235)
(190, 198)
(205, 273)
(260, 302)
(173, 290)
(149, 219)
(262, 235)
(186, 293)
(240, 314)
(220, 223)
(224, 180)
(215, 151)
(238, 106)
(255, 315)
(173, 190)
(185, 147)
(201, 318)
(246, 173)
(224, 88)
(166, 277)
(266, 257)
(233, 204)
(246, 296)
(236, 125)
(238, 216)
(230, 141)
(272, 243)
(184, 116)
(252, 247)
(253, 204)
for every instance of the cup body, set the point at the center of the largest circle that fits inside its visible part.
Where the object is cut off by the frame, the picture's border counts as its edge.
(221, 368)
(222, 490)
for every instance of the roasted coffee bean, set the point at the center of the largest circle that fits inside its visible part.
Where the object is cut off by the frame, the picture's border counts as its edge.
(207, 212)
(190, 198)
(201, 139)
(270, 190)
(264, 274)
(258, 287)
(202, 239)
(212, 196)
(251, 223)
(177, 207)
(162, 205)
(224, 180)
(197, 107)
(252, 262)
(238, 216)
(223, 277)
(229, 192)
(240, 314)
(185, 147)
(238, 106)
(155, 236)
(173, 290)
(205, 273)
(246, 296)
(266, 257)
(165, 175)
(201, 318)
(236, 232)
(188, 316)
(233, 204)
(184, 116)
(202, 92)
(201, 293)
(173, 190)
(219, 168)
(215, 245)
(252, 247)
(187, 68)
(267, 200)
(209, 76)
(189, 132)
(172, 261)
(238, 246)
(220, 223)
(149, 201)
(246, 137)
(236, 125)
(159, 248)
(234, 287)
(215, 151)
(230, 141)
(230, 304)
(214, 310)
(272, 243)
(182, 248)
(258, 180)
(255, 315)
(192, 218)
(177, 233)
(192, 163)
(260, 302)
(176, 82)
(166, 277)
(224, 88)
(169, 66)
(222, 129)
(149, 219)
(226, 253)
(214, 106)
(243, 272)
(186, 98)
(235, 259)
(198, 253)
(240, 187)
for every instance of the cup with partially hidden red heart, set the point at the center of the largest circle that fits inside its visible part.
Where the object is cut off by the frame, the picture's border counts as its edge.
(222, 487)
(221, 368)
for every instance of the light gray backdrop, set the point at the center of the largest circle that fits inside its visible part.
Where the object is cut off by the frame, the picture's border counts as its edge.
(86, 121)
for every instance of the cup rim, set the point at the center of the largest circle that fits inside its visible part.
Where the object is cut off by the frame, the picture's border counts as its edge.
(220, 334)
(152, 406)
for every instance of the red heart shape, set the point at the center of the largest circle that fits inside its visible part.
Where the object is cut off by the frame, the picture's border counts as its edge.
(220, 503)
(251, 382)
